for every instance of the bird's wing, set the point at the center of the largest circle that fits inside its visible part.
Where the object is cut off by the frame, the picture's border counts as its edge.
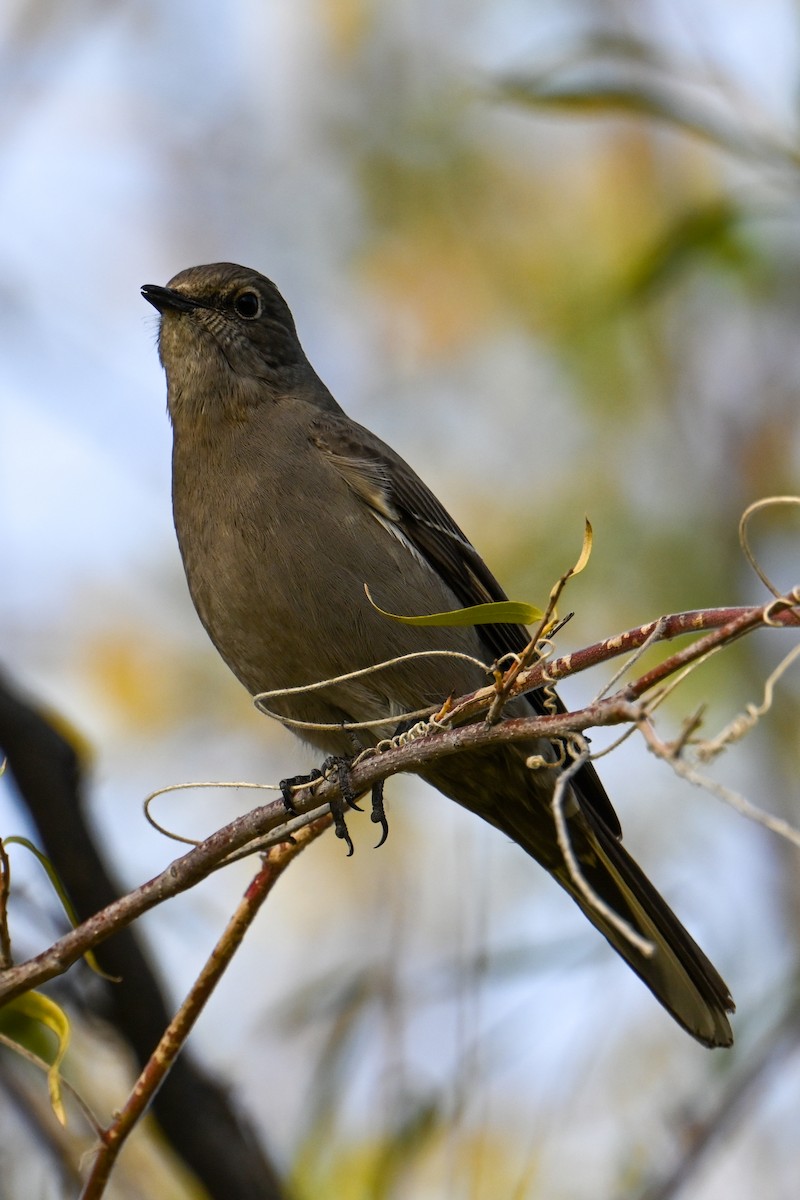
(408, 509)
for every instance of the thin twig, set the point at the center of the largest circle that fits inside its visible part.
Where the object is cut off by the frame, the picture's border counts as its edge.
(504, 685)
(35, 1060)
(579, 753)
(749, 512)
(744, 722)
(689, 772)
(413, 756)
(723, 623)
(155, 1071)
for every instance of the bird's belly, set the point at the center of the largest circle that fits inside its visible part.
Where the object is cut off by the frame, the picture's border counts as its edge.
(282, 618)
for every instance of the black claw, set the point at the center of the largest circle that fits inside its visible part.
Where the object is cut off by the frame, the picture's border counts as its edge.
(340, 768)
(378, 814)
(286, 786)
(340, 825)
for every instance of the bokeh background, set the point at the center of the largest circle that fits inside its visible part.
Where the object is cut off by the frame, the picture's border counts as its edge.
(550, 250)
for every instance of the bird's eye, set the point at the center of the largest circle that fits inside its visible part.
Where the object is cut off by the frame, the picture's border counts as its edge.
(247, 305)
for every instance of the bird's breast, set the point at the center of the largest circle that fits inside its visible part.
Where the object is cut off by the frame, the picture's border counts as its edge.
(277, 556)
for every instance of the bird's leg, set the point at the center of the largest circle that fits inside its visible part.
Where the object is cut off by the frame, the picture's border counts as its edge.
(340, 768)
(378, 814)
(333, 766)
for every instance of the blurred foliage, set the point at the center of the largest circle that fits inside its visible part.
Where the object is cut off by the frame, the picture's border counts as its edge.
(23, 1020)
(569, 237)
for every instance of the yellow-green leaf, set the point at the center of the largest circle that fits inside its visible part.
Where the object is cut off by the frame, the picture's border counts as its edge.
(61, 892)
(586, 548)
(21, 1019)
(501, 612)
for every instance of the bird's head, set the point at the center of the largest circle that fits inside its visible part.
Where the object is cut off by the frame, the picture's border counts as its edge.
(226, 338)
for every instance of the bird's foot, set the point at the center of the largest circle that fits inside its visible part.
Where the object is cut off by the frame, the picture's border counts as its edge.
(287, 787)
(378, 814)
(339, 768)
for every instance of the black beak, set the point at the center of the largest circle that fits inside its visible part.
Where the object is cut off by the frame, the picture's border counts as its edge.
(163, 298)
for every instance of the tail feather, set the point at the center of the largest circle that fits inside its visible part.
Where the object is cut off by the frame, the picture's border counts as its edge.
(677, 972)
(499, 787)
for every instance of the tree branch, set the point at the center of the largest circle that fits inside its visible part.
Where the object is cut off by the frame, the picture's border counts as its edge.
(155, 1071)
(251, 829)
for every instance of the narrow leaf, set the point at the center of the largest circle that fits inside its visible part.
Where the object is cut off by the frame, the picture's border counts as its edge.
(586, 548)
(61, 892)
(37, 1009)
(501, 612)
(595, 92)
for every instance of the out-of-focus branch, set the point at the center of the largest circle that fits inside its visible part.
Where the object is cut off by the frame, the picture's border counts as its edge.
(5, 885)
(196, 1114)
(705, 1131)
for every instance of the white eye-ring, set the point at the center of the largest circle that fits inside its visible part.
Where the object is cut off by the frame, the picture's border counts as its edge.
(247, 305)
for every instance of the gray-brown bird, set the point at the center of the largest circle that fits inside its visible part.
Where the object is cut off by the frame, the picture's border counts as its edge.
(284, 509)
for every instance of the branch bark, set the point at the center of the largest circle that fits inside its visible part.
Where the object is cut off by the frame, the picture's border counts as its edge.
(174, 1037)
(267, 824)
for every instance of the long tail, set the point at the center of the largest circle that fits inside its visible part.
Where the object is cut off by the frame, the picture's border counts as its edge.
(498, 787)
(678, 973)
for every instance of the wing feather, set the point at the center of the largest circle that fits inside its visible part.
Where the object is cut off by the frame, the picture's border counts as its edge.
(408, 509)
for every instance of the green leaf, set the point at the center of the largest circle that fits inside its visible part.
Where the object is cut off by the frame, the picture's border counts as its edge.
(21, 1020)
(61, 892)
(705, 231)
(591, 90)
(501, 612)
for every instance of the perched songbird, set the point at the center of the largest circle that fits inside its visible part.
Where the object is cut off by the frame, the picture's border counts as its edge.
(284, 509)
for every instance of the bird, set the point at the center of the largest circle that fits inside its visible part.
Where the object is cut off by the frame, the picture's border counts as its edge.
(284, 508)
